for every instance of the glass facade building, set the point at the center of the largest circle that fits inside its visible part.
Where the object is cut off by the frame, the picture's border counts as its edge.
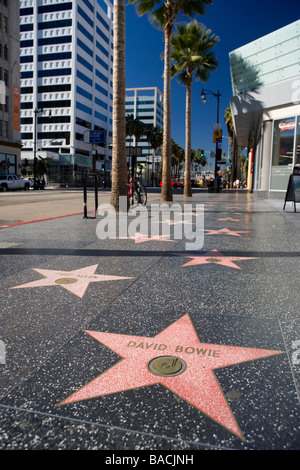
(66, 84)
(266, 106)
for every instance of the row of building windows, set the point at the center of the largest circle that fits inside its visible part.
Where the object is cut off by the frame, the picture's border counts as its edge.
(89, 36)
(89, 111)
(54, 40)
(89, 51)
(46, 8)
(139, 102)
(46, 120)
(46, 41)
(140, 110)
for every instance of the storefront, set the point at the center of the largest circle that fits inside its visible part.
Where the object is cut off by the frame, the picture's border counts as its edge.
(265, 107)
(8, 164)
(285, 151)
(276, 154)
(68, 170)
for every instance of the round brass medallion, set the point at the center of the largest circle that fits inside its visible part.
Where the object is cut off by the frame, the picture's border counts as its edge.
(66, 280)
(166, 366)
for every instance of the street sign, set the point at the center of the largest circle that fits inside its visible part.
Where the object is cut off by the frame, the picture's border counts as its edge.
(217, 135)
(94, 137)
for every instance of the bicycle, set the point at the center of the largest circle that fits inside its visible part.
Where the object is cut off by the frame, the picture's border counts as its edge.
(137, 192)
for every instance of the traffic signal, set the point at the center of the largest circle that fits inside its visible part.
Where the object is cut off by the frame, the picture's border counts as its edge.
(103, 167)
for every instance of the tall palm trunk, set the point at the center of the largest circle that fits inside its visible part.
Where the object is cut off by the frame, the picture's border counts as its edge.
(188, 125)
(233, 162)
(119, 160)
(166, 190)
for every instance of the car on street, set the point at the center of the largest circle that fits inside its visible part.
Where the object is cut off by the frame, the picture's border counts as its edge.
(30, 180)
(175, 184)
(12, 182)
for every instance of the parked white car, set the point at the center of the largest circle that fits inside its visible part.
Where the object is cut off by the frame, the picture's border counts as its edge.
(12, 182)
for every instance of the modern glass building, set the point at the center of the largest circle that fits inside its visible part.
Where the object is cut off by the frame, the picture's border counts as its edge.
(10, 141)
(266, 107)
(66, 85)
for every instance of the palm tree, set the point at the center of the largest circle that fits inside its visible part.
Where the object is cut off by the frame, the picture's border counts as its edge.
(154, 137)
(164, 13)
(232, 141)
(134, 128)
(192, 56)
(199, 158)
(178, 154)
(119, 186)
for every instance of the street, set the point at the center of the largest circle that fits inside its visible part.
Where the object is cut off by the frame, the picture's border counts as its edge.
(25, 206)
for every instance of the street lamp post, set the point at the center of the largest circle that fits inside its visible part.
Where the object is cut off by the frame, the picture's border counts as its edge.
(203, 97)
(36, 112)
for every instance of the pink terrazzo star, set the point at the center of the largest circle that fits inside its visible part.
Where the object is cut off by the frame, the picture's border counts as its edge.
(142, 238)
(75, 281)
(197, 383)
(226, 231)
(214, 257)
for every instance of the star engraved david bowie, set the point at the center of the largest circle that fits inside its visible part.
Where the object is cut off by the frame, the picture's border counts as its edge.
(176, 359)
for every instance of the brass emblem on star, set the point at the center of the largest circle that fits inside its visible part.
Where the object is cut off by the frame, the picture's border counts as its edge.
(166, 366)
(66, 280)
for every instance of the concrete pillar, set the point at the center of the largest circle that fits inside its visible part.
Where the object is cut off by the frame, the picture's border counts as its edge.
(266, 155)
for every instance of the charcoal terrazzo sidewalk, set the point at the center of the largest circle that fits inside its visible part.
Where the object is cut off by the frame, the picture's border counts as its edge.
(88, 327)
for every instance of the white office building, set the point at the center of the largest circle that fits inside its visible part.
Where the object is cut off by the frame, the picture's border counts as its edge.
(146, 105)
(66, 86)
(266, 107)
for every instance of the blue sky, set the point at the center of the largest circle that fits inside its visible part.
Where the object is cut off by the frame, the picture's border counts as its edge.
(237, 23)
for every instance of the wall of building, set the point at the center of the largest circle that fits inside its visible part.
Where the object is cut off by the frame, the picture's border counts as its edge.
(10, 142)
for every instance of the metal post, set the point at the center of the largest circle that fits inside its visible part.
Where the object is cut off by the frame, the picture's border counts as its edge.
(96, 194)
(36, 111)
(84, 198)
(85, 194)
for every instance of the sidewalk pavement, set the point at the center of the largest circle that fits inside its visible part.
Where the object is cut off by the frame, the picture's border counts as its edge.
(140, 344)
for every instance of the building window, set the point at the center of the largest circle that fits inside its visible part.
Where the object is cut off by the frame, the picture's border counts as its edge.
(54, 24)
(85, 16)
(84, 62)
(84, 31)
(283, 150)
(84, 78)
(56, 7)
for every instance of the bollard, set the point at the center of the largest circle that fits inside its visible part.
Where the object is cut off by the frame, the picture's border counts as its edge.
(85, 194)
